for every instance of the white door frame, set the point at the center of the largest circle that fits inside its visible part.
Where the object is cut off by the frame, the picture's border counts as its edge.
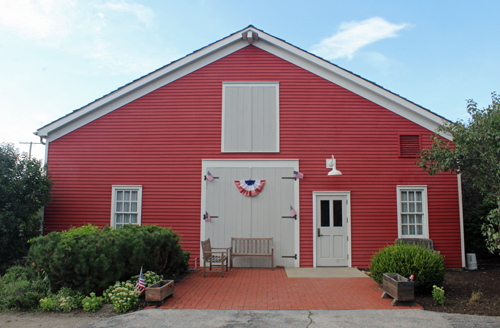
(291, 163)
(346, 194)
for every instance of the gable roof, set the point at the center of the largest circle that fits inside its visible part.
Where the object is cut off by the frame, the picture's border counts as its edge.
(224, 47)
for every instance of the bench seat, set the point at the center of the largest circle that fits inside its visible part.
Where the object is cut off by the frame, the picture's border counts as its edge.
(252, 247)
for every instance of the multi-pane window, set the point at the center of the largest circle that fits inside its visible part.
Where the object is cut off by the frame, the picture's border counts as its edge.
(412, 211)
(126, 206)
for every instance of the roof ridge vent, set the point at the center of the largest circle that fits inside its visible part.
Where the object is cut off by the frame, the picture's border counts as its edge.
(250, 36)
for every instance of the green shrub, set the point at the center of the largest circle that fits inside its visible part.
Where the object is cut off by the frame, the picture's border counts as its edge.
(24, 190)
(18, 272)
(90, 260)
(427, 266)
(106, 295)
(438, 294)
(22, 294)
(49, 303)
(150, 278)
(124, 297)
(92, 303)
(65, 300)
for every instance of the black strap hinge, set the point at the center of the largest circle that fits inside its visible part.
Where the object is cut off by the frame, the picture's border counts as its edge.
(290, 257)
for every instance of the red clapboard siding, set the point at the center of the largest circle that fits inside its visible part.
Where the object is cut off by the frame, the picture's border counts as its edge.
(158, 141)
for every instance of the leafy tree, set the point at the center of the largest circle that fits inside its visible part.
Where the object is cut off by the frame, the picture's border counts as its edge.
(24, 190)
(476, 155)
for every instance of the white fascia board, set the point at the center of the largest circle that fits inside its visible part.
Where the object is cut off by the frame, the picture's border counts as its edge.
(142, 87)
(351, 82)
(225, 47)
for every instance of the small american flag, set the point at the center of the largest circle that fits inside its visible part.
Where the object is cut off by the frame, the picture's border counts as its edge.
(298, 175)
(140, 287)
(208, 218)
(209, 176)
(411, 277)
(293, 211)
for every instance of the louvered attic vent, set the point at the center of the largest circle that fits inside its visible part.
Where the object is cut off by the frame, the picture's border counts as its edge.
(409, 146)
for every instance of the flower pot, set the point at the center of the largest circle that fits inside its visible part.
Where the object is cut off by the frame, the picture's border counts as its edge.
(398, 287)
(158, 292)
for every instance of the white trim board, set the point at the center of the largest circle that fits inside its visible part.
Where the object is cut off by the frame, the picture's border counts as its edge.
(460, 205)
(225, 85)
(315, 225)
(292, 163)
(223, 48)
(137, 188)
(425, 205)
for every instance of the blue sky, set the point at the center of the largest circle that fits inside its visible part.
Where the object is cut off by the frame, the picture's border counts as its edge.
(59, 55)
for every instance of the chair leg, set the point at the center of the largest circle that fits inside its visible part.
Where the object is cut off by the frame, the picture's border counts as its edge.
(204, 269)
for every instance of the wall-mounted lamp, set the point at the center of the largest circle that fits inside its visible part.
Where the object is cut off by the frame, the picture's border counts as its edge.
(332, 163)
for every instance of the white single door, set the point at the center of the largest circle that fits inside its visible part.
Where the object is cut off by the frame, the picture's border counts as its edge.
(262, 216)
(331, 234)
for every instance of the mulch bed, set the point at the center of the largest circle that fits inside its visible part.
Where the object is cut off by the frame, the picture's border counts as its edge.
(459, 287)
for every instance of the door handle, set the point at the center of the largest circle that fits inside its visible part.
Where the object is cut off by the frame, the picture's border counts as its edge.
(319, 232)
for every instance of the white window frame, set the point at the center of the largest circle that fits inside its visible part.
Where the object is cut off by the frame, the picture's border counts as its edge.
(116, 188)
(250, 84)
(425, 218)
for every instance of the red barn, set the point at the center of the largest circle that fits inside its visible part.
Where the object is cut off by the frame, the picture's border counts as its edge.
(252, 109)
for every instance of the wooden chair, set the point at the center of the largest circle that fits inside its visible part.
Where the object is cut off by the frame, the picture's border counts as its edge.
(215, 259)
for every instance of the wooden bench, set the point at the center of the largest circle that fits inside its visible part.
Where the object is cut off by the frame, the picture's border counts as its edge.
(254, 247)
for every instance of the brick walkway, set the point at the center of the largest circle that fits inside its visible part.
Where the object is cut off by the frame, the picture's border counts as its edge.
(266, 289)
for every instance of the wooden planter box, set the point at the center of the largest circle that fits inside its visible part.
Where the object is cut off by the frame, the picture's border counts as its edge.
(398, 287)
(158, 292)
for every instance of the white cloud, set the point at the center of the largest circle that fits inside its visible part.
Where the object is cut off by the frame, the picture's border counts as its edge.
(36, 19)
(112, 33)
(143, 14)
(352, 36)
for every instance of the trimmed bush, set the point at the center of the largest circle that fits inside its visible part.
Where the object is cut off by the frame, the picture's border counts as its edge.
(88, 259)
(427, 266)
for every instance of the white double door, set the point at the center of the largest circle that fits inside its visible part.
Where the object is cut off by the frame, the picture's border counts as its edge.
(332, 230)
(263, 216)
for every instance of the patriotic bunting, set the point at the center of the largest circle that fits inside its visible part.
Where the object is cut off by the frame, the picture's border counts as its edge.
(250, 188)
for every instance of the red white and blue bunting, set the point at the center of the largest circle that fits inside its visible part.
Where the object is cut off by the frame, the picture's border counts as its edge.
(250, 188)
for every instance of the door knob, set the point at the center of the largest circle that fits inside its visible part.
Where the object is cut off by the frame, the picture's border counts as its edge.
(319, 232)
